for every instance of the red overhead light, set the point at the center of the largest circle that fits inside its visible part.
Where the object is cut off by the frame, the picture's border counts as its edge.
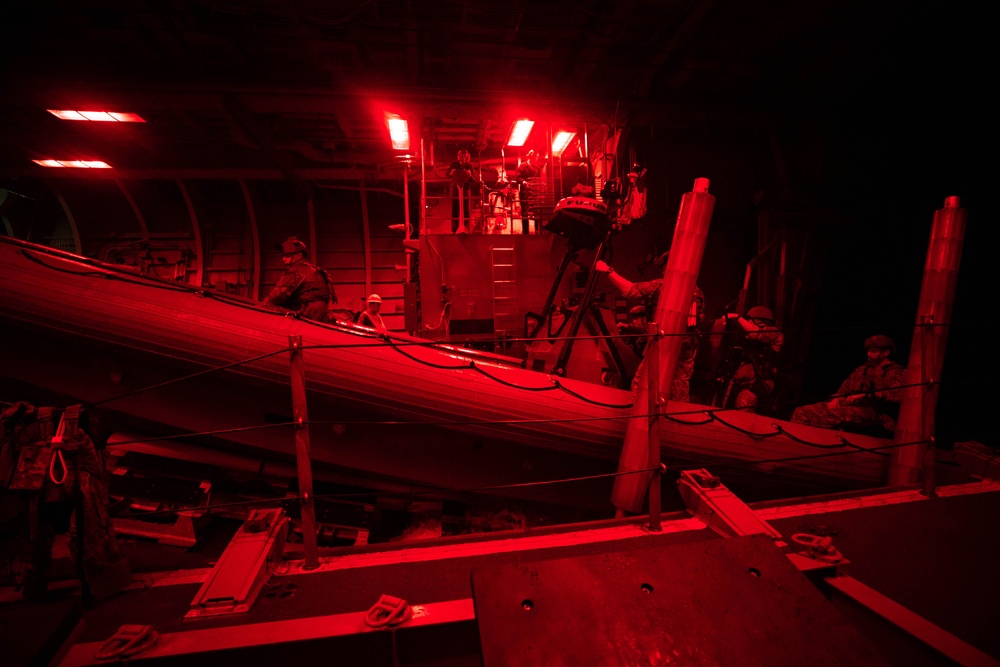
(399, 132)
(101, 116)
(561, 141)
(520, 131)
(74, 164)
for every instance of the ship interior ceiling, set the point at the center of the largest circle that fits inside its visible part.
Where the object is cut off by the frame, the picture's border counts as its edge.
(825, 160)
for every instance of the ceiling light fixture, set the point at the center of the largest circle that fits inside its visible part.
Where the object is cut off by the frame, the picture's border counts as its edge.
(101, 116)
(520, 131)
(74, 164)
(561, 141)
(399, 132)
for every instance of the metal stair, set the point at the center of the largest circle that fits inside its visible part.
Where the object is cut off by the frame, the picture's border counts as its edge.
(506, 309)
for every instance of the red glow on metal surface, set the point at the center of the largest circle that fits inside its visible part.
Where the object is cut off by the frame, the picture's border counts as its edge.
(561, 141)
(74, 164)
(100, 116)
(399, 132)
(519, 133)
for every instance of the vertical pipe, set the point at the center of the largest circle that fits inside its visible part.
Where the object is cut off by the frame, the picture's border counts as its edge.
(200, 249)
(652, 358)
(253, 289)
(930, 336)
(406, 214)
(672, 310)
(311, 215)
(366, 239)
(779, 292)
(423, 192)
(308, 509)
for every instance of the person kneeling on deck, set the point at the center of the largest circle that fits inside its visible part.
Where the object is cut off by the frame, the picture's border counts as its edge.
(868, 400)
(304, 289)
(370, 316)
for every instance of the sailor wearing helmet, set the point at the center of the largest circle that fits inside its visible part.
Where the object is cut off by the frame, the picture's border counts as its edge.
(304, 289)
(370, 317)
(868, 400)
(748, 374)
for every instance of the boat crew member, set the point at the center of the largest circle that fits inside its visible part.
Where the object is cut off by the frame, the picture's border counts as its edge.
(634, 329)
(868, 400)
(460, 173)
(526, 171)
(58, 482)
(648, 293)
(746, 375)
(304, 289)
(370, 316)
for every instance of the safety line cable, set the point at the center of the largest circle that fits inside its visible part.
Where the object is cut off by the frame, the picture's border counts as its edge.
(407, 494)
(691, 465)
(191, 376)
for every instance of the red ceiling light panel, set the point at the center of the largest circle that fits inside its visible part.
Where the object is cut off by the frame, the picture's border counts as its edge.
(520, 131)
(99, 116)
(74, 164)
(399, 132)
(559, 144)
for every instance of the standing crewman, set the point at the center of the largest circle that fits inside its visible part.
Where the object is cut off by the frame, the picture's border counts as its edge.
(304, 289)
(460, 173)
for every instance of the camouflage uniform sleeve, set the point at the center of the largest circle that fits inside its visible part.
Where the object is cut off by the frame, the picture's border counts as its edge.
(647, 291)
(892, 380)
(284, 289)
(768, 337)
(852, 384)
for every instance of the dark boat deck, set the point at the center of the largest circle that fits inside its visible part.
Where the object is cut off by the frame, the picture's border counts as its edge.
(934, 556)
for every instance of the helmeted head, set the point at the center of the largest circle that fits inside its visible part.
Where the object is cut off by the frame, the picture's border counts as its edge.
(292, 250)
(374, 301)
(878, 347)
(880, 342)
(760, 313)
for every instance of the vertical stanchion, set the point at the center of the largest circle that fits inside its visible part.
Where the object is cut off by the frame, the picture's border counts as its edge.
(652, 358)
(407, 227)
(307, 507)
(672, 310)
(918, 406)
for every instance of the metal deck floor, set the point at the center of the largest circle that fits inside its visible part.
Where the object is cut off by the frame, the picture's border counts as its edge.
(933, 555)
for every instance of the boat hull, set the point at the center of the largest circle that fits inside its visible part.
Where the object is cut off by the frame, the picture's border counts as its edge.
(394, 404)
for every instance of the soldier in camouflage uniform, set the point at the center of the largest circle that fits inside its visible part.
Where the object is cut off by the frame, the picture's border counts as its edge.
(648, 293)
(747, 374)
(304, 289)
(60, 484)
(868, 400)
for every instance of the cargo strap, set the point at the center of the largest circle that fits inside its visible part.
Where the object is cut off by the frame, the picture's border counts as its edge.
(387, 612)
(68, 426)
(128, 641)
